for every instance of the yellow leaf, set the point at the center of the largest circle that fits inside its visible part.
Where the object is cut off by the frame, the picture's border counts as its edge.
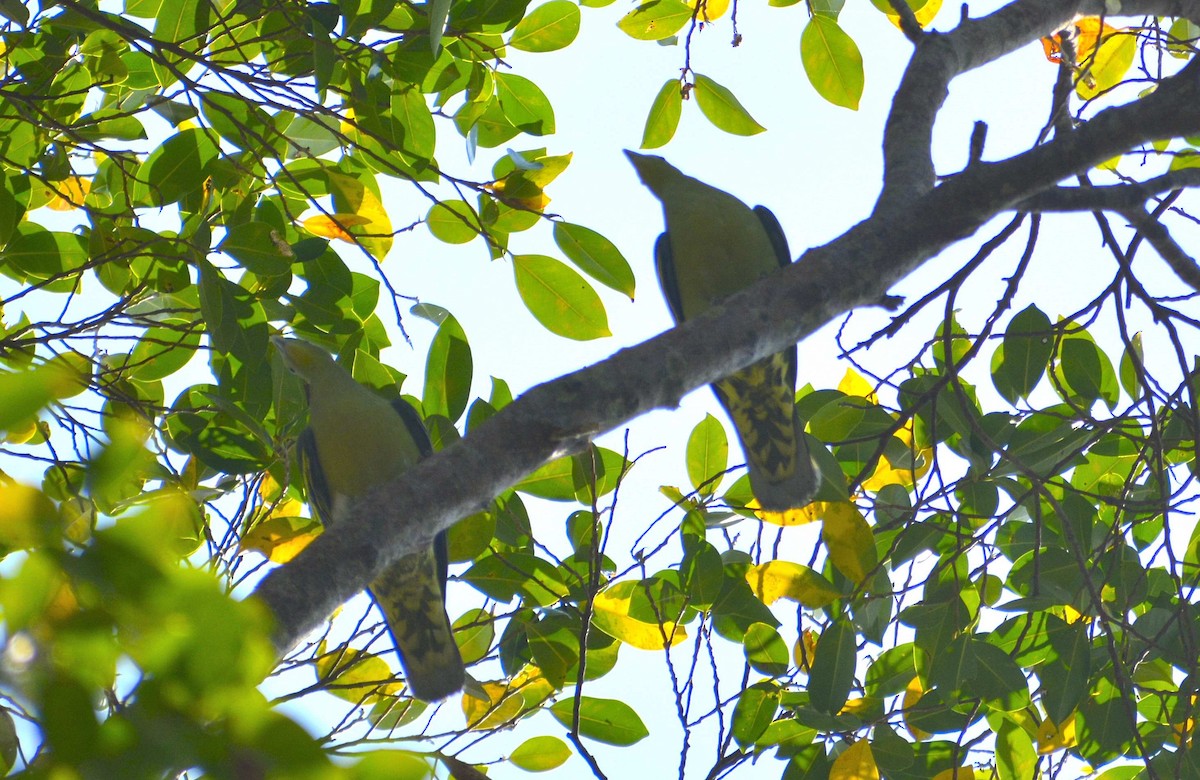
(1108, 67)
(20, 433)
(376, 233)
(774, 580)
(961, 773)
(860, 705)
(334, 226)
(801, 516)
(353, 675)
(507, 700)
(711, 9)
(69, 193)
(853, 383)
(27, 517)
(805, 650)
(855, 763)
(849, 540)
(611, 615)
(283, 535)
(1090, 30)
(912, 696)
(1051, 737)
(924, 14)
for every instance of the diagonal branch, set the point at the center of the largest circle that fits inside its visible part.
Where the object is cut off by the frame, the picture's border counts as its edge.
(561, 416)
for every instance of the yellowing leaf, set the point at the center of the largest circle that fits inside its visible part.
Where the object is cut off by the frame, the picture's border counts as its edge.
(353, 675)
(710, 10)
(805, 649)
(282, 536)
(849, 540)
(1108, 67)
(854, 383)
(801, 516)
(334, 226)
(774, 580)
(611, 615)
(925, 13)
(1103, 54)
(503, 706)
(959, 773)
(887, 474)
(353, 196)
(860, 705)
(1051, 737)
(69, 193)
(507, 700)
(912, 695)
(27, 516)
(855, 763)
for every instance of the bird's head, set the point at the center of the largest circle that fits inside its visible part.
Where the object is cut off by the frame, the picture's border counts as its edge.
(303, 359)
(654, 171)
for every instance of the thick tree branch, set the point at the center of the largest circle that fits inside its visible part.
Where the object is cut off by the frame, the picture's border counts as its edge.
(939, 58)
(561, 416)
(1116, 197)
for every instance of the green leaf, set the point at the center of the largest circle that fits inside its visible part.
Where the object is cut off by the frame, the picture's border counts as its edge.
(605, 720)
(832, 62)
(240, 122)
(707, 455)
(258, 247)
(832, 673)
(439, 12)
(504, 576)
(723, 109)
(655, 20)
(540, 754)
(176, 169)
(524, 105)
(411, 110)
(9, 745)
(39, 254)
(754, 711)
(448, 372)
(548, 27)
(1084, 372)
(453, 221)
(162, 351)
(1067, 677)
(1128, 370)
(559, 298)
(1020, 362)
(1016, 757)
(765, 650)
(663, 119)
(25, 393)
(892, 671)
(596, 256)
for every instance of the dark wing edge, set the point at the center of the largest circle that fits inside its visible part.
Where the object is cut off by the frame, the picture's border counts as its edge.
(420, 436)
(783, 256)
(664, 265)
(315, 484)
(775, 233)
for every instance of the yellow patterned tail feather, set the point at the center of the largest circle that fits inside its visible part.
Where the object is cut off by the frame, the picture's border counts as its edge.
(760, 401)
(411, 599)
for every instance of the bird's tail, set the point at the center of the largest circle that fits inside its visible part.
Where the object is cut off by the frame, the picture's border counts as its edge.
(760, 399)
(410, 595)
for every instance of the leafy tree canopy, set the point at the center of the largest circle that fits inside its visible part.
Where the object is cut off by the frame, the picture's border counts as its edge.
(1003, 583)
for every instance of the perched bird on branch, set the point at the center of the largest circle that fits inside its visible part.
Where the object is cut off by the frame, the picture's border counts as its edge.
(715, 245)
(356, 440)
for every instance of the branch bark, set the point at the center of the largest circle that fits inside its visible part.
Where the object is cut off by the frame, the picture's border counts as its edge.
(914, 221)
